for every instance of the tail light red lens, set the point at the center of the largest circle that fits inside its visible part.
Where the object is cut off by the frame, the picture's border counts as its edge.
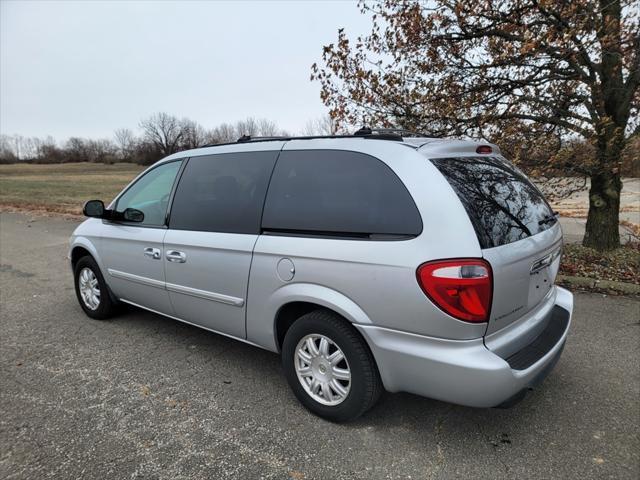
(484, 149)
(462, 288)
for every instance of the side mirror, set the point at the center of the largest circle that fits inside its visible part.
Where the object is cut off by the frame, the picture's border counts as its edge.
(133, 215)
(94, 208)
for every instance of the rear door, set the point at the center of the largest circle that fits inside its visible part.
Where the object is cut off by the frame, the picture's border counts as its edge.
(213, 227)
(516, 228)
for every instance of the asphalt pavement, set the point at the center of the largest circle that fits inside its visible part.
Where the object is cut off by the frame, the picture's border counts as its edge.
(143, 396)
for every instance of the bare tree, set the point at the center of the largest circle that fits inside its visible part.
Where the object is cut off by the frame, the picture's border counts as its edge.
(324, 125)
(125, 141)
(7, 154)
(261, 127)
(22, 147)
(90, 150)
(248, 126)
(164, 131)
(268, 128)
(224, 133)
(76, 150)
(227, 132)
(193, 135)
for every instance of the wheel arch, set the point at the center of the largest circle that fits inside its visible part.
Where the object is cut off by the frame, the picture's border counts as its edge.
(288, 314)
(295, 300)
(77, 252)
(82, 246)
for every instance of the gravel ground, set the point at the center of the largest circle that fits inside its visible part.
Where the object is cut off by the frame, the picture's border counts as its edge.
(143, 396)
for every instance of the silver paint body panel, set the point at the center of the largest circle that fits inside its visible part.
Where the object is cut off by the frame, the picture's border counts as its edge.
(211, 286)
(463, 372)
(231, 283)
(130, 273)
(517, 290)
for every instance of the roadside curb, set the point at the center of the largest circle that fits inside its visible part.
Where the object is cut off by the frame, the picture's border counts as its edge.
(593, 284)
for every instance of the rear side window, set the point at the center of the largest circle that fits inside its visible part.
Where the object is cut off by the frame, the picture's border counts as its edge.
(222, 193)
(503, 205)
(333, 192)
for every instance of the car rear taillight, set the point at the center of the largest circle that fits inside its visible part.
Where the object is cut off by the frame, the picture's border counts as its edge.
(484, 149)
(462, 288)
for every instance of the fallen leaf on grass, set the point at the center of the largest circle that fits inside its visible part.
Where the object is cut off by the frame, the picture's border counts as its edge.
(621, 265)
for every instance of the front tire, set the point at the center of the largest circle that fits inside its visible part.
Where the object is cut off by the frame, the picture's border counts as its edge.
(329, 367)
(92, 291)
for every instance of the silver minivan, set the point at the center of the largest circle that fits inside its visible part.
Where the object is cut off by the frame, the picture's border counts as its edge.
(366, 261)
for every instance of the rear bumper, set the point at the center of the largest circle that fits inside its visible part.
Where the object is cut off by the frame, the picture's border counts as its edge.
(465, 372)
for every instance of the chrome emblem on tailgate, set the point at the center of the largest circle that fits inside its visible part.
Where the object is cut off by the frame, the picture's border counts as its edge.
(544, 262)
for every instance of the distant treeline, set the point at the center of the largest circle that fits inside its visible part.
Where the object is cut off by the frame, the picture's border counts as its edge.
(158, 136)
(162, 134)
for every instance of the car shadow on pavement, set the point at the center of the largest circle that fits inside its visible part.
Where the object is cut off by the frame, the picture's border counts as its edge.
(247, 365)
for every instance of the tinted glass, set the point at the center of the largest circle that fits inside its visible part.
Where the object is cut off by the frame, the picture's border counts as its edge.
(339, 192)
(222, 193)
(150, 194)
(503, 205)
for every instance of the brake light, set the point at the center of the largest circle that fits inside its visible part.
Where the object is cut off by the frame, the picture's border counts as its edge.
(484, 149)
(462, 288)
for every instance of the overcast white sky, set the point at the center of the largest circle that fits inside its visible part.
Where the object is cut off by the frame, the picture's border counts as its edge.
(86, 68)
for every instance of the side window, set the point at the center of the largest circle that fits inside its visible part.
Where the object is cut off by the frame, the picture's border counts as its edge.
(150, 194)
(223, 192)
(333, 191)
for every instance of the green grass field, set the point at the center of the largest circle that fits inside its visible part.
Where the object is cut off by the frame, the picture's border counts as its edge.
(62, 188)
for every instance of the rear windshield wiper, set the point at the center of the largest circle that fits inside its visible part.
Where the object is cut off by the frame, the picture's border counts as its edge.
(548, 218)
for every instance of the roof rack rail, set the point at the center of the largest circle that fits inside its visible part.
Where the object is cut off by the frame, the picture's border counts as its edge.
(400, 131)
(249, 138)
(363, 131)
(395, 134)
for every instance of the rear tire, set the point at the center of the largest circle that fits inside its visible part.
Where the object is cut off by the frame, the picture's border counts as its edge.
(318, 380)
(92, 291)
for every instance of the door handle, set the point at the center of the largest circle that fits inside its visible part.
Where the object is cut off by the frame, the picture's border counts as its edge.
(152, 253)
(176, 256)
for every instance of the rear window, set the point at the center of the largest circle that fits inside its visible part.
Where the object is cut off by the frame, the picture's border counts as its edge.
(503, 205)
(334, 192)
(222, 193)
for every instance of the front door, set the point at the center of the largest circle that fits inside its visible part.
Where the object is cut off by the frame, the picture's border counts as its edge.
(214, 224)
(133, 252)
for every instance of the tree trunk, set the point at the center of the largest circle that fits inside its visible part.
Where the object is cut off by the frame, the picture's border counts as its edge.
(604, 195)
(604, 206)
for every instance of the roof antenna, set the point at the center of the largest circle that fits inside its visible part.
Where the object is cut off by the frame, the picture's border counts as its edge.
(244, 138)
